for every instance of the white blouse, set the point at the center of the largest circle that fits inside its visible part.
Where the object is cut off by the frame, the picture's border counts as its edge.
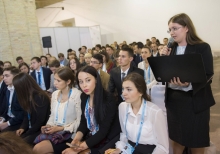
(73, 114)
(153, 82)
(154, 130)
(180, 51)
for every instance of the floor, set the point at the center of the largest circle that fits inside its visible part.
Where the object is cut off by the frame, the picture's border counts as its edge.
(215, 110)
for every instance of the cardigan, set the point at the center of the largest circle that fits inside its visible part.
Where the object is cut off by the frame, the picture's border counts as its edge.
(73, 110)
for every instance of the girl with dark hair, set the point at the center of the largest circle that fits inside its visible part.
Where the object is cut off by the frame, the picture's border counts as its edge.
(65, 114)
(23, 67)
(74, 65)
(143, 124)
(35, 102)
(107, 62)
(98, 114)
(188, 104)
(44, 61)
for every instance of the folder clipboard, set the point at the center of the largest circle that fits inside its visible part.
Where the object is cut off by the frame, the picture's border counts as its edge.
(188, 67)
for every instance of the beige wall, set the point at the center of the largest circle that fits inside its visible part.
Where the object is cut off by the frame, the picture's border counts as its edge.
(19, 32)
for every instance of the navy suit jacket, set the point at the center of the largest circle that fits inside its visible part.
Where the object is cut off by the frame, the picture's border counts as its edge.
(137, 59)
(46, 73)
(16, 110)
(3, 103)
(115, 79)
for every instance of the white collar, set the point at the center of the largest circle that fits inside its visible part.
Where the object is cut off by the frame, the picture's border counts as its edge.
(11, 88)
(126, 72)
(140, 110)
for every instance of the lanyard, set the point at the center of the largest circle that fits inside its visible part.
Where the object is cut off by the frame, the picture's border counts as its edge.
(65, 110)
(141, 123)
(29, 120)
(88, 119)
(145, 73)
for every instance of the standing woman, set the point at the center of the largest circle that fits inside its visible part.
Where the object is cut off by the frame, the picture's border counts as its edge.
(188, 104)
(98, 118)
(35, 102)
(107, 62)
(65, 113)
(143, 123)
(144, 65)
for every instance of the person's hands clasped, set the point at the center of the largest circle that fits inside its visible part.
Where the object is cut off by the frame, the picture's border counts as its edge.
(44, 128)
(165, 51)
(19, 132)
(176, 81)
(113, 151)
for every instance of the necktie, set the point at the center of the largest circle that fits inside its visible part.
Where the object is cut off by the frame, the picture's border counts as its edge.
(39, 78)
(123, 76)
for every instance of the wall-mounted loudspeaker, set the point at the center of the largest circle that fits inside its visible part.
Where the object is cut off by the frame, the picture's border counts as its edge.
(47, 42)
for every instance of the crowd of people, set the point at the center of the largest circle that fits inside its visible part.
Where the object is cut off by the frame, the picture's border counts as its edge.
(100, 100)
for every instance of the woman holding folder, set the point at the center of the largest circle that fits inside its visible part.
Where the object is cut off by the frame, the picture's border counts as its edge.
(188, 104)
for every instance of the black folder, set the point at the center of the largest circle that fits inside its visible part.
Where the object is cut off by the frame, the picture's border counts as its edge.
(188, 67)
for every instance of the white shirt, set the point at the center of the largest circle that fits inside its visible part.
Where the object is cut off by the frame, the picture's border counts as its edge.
(154, 130)
(155, 55)
(42, 85)
(180, 51)
(153, 82)
(11, 89)
(104, 67)
(1, 84)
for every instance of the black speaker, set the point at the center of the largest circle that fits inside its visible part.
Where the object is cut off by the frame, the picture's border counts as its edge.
(47, 42)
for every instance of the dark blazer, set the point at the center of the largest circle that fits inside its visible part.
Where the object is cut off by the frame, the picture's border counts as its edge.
(46, 72)
(115, 80)
(3, 100)
(39, 116)
(158, 54)
(137, 59)
(16, 110)
(107, 129)
(202, 93)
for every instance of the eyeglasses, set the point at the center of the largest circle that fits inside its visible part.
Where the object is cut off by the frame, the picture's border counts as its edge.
(173, 29)
(94, 62)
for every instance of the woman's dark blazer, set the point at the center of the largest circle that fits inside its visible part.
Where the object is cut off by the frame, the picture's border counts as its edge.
(39, 116)
(202, 93)
(105, 128)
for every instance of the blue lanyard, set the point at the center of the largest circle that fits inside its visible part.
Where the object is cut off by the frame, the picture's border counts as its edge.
(29, 120)
(145, 73)
(65, 110)
(88, 119)
(141, 123)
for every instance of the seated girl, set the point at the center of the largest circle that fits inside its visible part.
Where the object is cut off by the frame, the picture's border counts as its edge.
(65, 114)
(143, 124)
(99, 113)
(35, 102)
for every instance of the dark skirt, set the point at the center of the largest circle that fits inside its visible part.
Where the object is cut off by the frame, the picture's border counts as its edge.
(142, 149)
(184, 126)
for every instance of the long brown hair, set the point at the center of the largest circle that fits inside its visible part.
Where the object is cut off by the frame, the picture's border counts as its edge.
(13, 144)
(26, 88)
(184, 20)
(139, 83)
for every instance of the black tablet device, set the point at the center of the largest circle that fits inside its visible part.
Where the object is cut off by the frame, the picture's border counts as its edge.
(188, 67)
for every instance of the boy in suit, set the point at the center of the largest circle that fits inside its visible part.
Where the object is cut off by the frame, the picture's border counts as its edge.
(97, 62)
(13, 114)
(40, 74)
(117, 74)
(63, 60)
(3, 89)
